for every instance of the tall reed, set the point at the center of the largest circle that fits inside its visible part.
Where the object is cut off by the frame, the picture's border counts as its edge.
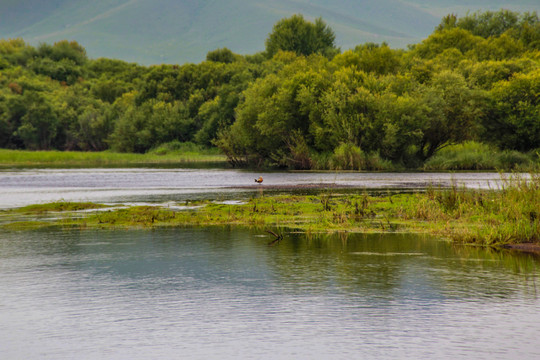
(508, 215)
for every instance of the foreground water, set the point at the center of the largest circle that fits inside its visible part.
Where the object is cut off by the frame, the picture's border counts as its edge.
(21, 187)
(225, 294)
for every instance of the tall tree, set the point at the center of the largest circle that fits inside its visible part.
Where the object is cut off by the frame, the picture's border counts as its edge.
(301, 36)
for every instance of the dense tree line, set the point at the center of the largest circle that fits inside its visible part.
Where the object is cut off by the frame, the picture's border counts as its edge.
(302, 103)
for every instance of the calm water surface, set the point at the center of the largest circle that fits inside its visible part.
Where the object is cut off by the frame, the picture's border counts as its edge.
(225, 294)
(29, 186)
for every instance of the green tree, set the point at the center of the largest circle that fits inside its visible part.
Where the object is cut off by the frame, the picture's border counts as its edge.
(301, 36)
(170, 121)
(117, 70)
(108, 90)
(92, 129)
(515, 123)
(15, 52)
(215, 115)
(489, 23)
(131, 133)
(379, 59)
(64, 70)
(403, 118)
(456, 112)
(276, 109)
(499, 48)
(12, 109)
(38, 124)
(349, 115)
(524, 27)
(484, 74)
(223, 55)
(64, 49)
(456, 38)
(5, 126)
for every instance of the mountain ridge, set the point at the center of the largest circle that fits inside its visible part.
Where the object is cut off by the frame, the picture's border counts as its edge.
(168, 31)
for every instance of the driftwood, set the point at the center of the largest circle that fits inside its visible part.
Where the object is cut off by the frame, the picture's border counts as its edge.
(277, 239)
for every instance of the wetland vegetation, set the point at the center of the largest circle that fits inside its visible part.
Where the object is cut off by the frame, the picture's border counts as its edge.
(510, 215)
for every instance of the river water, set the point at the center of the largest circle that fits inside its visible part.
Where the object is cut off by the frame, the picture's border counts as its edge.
(29, 186)
(225, 294)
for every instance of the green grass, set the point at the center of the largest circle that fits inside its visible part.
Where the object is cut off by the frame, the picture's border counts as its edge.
(482, 217)
(76, 158)
(486, 217)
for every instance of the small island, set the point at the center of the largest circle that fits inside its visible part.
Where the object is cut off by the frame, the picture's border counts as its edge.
(508, 217)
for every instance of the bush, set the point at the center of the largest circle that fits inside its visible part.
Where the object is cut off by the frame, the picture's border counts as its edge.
(375, 162)
(514, 160)
(347, 157)
(473, 155)
(350, 157)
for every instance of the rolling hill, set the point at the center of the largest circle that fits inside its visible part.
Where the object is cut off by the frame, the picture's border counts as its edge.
(176, 32)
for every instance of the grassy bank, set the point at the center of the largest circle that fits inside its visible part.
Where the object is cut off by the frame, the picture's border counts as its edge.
(485, 217)
(161, 155)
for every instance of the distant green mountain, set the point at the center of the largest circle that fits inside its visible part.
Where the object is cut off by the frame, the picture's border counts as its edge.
(173, 31)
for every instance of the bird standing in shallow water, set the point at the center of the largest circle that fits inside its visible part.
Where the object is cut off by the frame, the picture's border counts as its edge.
(259, 180)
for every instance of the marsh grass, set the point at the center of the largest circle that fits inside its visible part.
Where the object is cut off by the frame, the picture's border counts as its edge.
(508, 215)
